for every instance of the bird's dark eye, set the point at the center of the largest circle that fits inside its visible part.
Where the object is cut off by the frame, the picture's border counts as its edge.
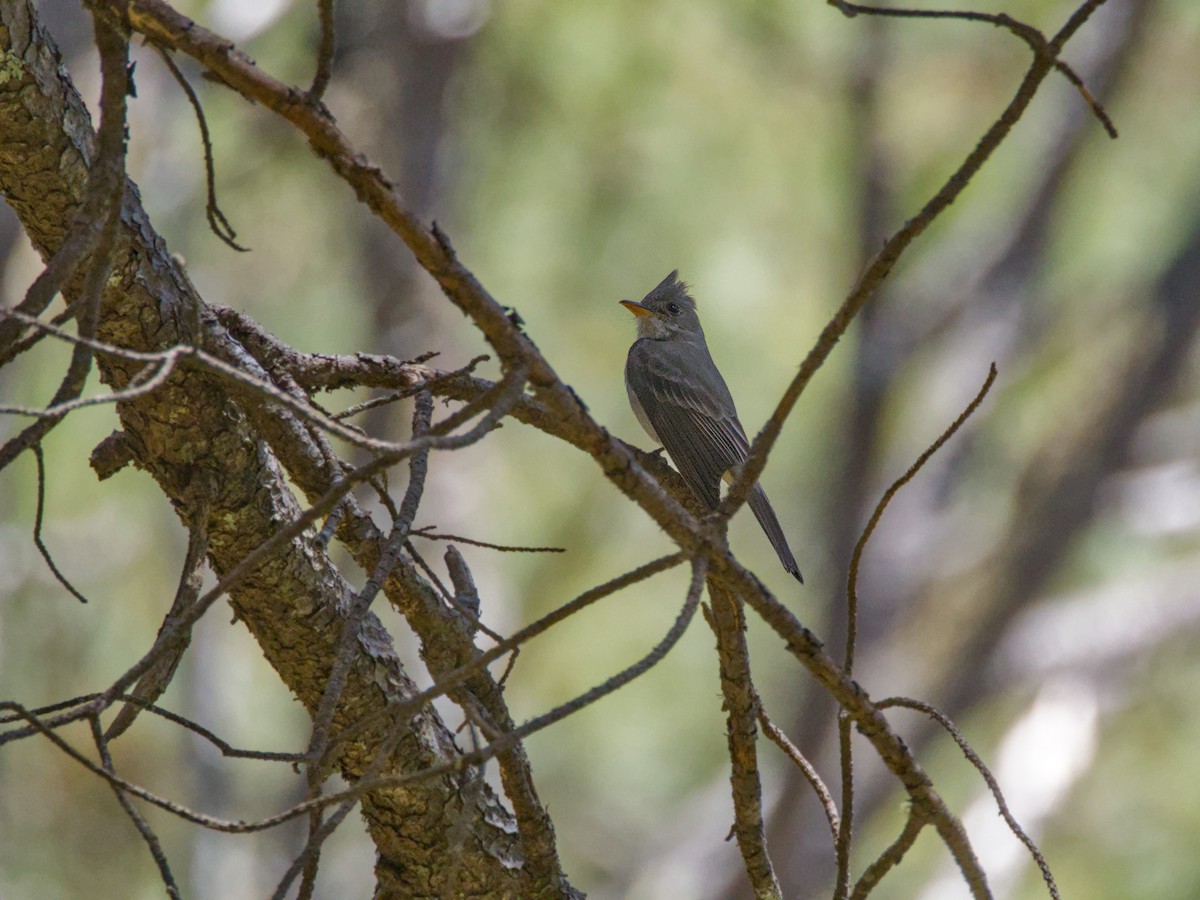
(673, 308)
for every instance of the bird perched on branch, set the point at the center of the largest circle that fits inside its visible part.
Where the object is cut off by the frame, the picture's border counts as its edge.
(682, 401)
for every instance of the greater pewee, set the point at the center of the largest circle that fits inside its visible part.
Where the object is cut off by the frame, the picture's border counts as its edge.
(682, 401)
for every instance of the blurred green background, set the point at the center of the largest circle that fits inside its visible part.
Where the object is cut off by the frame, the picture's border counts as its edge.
(1039, 580)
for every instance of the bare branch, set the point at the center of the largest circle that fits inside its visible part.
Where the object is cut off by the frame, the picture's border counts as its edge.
(781, 740)
(882, 263)
(742, 709)
(993, 785)
(890, 857)
(39, 517)
(429, 532)
(94, 233)
(1035, 39)
(169, 651)
(139, 822)
(324, 52)
(217, 222)
(856, 557)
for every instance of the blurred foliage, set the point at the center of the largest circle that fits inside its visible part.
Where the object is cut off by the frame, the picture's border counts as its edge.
(591, 149)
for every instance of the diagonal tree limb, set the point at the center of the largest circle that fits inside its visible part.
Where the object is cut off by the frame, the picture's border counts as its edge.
(94, 233)
(881, 265)
(146, 306)
(164, 26)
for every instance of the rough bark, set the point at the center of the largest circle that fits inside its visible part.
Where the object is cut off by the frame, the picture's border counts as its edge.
(193, 437)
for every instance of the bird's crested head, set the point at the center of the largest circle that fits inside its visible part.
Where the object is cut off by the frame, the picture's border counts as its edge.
(666, 312)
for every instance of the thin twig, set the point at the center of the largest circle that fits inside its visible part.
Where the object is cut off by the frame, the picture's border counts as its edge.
(888, 495)
(781, 740)
(890, 857)
(139, 821)
(169, 651)
(325, 51)
(883, 262)
(366, 405)
(845, 745)
(217, 222)
(223, 747)
(37, 526)
(1033, 37)
(428, 532)
(993, 785)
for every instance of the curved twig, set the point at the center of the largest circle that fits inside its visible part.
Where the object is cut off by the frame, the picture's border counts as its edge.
(1033, 37)
(845, 747)
(890, 857)
(807, 769)
(38, 518)
(882, 263)
(139, 821)
(993, 785)
(217, 223)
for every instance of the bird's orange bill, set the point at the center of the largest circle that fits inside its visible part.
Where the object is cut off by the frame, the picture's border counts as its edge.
(636, 308)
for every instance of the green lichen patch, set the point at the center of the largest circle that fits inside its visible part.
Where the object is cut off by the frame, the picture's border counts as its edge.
(11, 67)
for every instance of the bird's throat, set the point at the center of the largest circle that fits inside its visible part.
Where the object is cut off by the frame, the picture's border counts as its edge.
(653, 328)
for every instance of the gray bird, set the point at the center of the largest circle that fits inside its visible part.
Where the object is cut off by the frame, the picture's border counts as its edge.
(682, 401)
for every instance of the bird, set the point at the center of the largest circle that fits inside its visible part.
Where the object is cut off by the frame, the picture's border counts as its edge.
(683, 403)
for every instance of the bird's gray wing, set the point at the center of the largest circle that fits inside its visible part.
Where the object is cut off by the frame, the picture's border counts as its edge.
(692, 413)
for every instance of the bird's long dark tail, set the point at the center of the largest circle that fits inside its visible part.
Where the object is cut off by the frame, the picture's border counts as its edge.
(770, 524)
